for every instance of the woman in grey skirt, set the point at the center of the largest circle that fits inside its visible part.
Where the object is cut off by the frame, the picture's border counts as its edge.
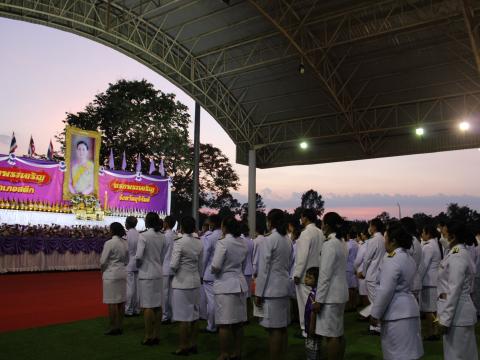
(113, 262)
(230, 288)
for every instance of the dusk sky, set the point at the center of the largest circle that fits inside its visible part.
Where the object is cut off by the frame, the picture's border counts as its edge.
(46, 72)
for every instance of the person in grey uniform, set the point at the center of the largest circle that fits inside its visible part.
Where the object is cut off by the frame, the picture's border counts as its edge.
(457, 315)
(272, 283)
(113, 263)
(308, 248)
(210, 241)
(372, 260)
(416, 252)
(332, 288)
(476, 295)
(431, 257)
(231, 288)
(186, 264)
(149, 257)
(168, 224)
(395, 305)
(132, 305)
(203, 297)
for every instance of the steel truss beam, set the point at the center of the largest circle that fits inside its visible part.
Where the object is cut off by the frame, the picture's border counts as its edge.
(116, 26)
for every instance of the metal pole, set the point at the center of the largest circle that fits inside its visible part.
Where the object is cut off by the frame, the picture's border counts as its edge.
(399, 211)
(252, 168)
(196, 165)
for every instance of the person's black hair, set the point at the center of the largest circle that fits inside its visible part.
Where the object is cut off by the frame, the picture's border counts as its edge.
(153, 221)
(310, 214)
(334, 222)
(399, 235)
(244, 229)
(188, 225)
(277, 220)
(433, 232)
(409, 225)
(232, 226)
(378, 224)
(352, 233)
(215, 221)
(82, 142)
(131, 222)
(261, 224)
(459, 229)
(117, 229)
(170, 221)
(313, 271)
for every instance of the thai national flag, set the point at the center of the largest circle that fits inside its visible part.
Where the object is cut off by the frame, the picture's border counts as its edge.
(31, 147)
(50, 151)
(13, 143)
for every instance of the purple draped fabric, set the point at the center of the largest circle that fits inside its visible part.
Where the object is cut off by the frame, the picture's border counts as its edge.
(16, 245)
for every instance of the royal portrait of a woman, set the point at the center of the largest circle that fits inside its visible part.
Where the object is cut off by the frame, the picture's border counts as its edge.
(82, 179)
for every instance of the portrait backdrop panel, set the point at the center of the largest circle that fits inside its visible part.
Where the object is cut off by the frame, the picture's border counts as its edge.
(82, 156)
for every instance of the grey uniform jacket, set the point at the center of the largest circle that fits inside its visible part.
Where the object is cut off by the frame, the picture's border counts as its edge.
(150, 253)
(228, 264)
(210, 241)
(332, 285)
(273, 265)
(132, 241)
(308, 248)
(186, 262)
(431, 258)
(114, 259)
(455, 284)
(169, 237)
(394, 299)
(373, 256)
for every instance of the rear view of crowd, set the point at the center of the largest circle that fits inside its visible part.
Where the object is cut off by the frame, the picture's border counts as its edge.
(393, 273)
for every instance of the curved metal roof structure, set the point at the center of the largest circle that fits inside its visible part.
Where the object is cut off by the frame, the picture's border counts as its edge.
(353, 78)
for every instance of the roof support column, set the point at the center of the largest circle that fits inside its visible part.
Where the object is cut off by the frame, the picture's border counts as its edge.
(252, 199)
(196, 165)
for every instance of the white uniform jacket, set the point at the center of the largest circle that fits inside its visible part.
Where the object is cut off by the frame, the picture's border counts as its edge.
(228, 264)
(332, 285)
(416, 252)
(257, 244)
(114, 259)
(308, 249)
(169, 237)
(393, 298)
(358, 263)
(150, 253)
(248, 271)
(209, 244)
(455, 283)
(373, 256)
(273, 266)
(132, 241)
(186, 262)
(431, 258)
(352, 247)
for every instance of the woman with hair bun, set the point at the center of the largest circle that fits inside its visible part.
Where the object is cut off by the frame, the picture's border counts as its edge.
(272, 285)
(332, 288)
(395, 305)
(457, 315)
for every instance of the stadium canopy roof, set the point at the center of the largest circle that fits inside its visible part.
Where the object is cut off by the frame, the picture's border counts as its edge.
(373, 71)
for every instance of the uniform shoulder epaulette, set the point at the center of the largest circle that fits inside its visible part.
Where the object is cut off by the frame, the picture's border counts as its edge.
(391, 254)
(455, 250)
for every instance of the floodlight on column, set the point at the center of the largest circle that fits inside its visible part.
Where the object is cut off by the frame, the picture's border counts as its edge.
(464, 126)
(303, 145)
(420, 131)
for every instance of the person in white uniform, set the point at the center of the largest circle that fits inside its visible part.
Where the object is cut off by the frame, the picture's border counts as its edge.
(352, 280)
(358, 265)
(332, 288)
(476, 295)
(293, 232)
(260, 230)
(431, 257)
(208, 278)
(132, 305)
(230, 286)
(168, 224)
(113, 262)
(203, 298)
(186, 264)
(456, 312)
(248, 272)
(149, 257)
(416, 252)
(371, 263)
(308, 248)
(272, 283)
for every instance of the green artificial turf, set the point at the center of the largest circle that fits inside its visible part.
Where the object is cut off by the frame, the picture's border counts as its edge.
(84, 340)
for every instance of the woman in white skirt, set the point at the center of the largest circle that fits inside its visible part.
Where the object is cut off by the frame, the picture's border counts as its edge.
(456, 312)
(149, 257)
(352, 281)
(358, 265)
(332, 288)
(230, 288)
(395, 305)
(273, 284)
(186, 265)
(431, 257)
(113, 262)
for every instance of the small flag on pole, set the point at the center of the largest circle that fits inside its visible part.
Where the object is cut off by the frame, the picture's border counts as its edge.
(13, 143)
(124, 162)
(161, 168)
(111, 161)
(138, 168)
(50, 151)
(31, 147)
(152, 167)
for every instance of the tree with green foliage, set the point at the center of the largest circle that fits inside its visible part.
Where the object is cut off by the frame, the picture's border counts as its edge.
(259, 207)
(313, 200)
